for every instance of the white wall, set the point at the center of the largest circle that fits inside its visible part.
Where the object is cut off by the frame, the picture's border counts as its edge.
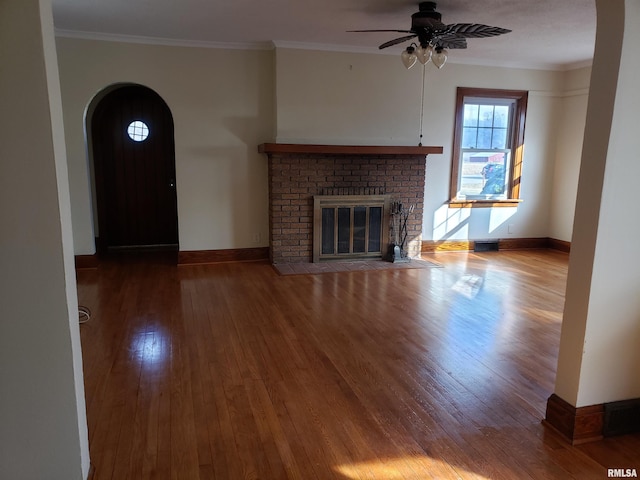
(345, 98)
(226, 102)
(599, 356)
(569, 138)
(222, 106)
(43, 431)
(329, 97)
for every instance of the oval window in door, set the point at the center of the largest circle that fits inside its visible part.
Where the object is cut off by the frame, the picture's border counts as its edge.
(138, 131)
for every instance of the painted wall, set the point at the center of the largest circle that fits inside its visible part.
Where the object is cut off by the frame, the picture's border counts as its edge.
(329, 97)
(43, 432)
(599, 356)
(226, 102)
(569, 138)
(346, 98)
(222, 106)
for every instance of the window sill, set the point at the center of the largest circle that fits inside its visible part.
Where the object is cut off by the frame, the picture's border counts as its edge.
(456, 203)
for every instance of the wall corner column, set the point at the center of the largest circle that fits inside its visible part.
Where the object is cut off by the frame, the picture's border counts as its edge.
(598, 357)
(44, 427)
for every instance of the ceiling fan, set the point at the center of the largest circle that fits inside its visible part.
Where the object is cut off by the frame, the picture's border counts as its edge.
(434, 37)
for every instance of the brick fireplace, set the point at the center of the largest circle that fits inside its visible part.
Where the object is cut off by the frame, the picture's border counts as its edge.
(298, 173)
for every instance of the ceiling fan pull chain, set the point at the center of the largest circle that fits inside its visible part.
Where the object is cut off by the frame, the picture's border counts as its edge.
(424, 74)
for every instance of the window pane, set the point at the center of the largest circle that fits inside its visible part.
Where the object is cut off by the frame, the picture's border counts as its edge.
(501, 116)
(471, 174)
(138, 131)
(344, 229)
(495, 175)
(328, 229)
(486, 116)
(499, 139)
(469, 137)
(375, 227)
(484, 138)
(484, 174)
(359, 229)
(470, 115)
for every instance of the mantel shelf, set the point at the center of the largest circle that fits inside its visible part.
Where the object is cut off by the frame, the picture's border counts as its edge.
(372, 150)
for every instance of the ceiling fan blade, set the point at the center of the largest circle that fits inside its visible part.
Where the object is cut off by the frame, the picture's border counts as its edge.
(397, 41)
(397, 31)
(451, 42)
(474, 30)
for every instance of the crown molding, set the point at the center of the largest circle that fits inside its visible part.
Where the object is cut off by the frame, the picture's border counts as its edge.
(452, 59)
(327, 47)
(322, 47)
(519, 65)
(170, 42)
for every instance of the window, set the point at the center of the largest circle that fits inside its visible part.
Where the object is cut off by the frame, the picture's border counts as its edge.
(138, 131)
(487, 147)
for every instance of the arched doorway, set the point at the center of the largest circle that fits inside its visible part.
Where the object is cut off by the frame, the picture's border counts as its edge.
(134, 165)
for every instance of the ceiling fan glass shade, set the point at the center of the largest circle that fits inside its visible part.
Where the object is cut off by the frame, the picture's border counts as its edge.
(439, 57)
(409, 57)
(424, 54)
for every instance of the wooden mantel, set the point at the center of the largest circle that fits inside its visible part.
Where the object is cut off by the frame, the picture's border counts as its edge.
(294, 148)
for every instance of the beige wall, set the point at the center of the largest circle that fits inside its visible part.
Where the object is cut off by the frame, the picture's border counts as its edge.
(43, 428)
(226, 102)
(222, 106)
(325, 97)
(346, 98)
(599, 356)
(569, 137)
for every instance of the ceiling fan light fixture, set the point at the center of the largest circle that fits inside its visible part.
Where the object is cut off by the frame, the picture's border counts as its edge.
(409, 57)
(439, 57)
(424, 54)
(433, 36)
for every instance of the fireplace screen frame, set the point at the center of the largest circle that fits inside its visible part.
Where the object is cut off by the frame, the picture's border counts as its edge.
(351, 202)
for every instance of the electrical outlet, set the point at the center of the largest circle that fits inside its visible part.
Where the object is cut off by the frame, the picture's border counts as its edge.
(257, 238)
(511, 228)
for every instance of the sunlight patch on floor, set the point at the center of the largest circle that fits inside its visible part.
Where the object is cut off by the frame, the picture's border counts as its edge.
(405, 468)
(468, 285)
(544, 314)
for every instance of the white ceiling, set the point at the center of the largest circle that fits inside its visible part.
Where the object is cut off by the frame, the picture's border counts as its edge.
(548, 34)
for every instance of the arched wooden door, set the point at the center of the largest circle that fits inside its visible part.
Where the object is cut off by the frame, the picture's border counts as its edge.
(134, 163)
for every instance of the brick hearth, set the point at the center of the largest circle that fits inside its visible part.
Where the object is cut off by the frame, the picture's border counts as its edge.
(298, 172)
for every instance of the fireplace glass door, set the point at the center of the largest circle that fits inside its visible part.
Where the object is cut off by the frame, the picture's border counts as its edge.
(350, 226)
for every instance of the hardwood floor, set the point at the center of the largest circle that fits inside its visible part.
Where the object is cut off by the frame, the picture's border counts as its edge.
(230, 371)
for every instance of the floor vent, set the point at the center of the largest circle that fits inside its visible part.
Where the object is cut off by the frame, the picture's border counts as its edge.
(621, 418)
(486, 246)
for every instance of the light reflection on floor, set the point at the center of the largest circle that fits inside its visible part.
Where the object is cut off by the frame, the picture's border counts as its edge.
(468, 285)
(415, 467)
(151, 347)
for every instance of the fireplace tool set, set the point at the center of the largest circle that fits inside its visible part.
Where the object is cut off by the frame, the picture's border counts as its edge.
(399, 216)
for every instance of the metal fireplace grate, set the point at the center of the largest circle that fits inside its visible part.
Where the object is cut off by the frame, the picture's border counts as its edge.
(350, 226)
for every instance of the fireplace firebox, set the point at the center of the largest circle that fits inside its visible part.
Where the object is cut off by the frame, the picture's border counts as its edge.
(350, 226)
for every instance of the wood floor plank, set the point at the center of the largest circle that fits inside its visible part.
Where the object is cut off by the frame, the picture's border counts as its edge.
(231, 371)
(275, 433)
